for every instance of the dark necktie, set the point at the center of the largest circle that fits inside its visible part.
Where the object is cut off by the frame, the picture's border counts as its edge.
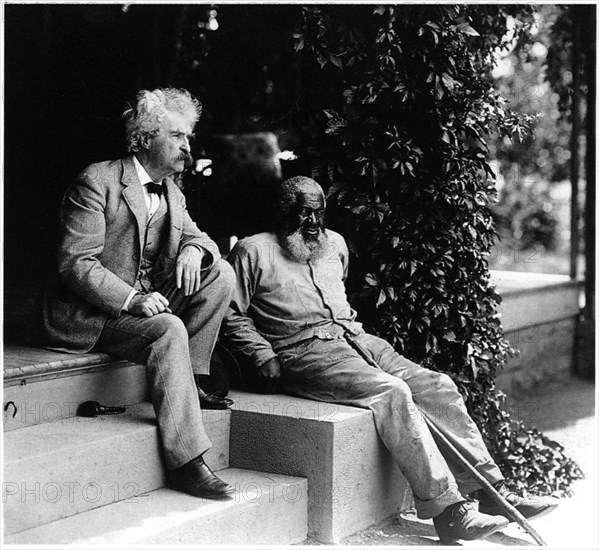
(154, 188)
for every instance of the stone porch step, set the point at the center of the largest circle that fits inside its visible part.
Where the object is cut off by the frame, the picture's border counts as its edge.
(353, 481)
(266, 509)
(59, 469)
(46, 386)
(352, 478)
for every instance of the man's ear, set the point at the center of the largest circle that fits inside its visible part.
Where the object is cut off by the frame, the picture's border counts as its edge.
(145, 141)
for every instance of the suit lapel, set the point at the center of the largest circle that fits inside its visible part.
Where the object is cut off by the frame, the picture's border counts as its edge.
(134, 197)
(176, 215)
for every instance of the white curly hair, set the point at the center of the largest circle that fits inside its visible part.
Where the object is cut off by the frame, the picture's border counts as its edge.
(144, 117)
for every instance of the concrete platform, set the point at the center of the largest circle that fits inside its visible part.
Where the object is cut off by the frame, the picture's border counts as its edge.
(266, 509)
(353, 481)
(535, 298)
(58, 469)
(539, 313)
(47, 386)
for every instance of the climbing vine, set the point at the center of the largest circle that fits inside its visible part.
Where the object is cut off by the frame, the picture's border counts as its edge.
(396, 103)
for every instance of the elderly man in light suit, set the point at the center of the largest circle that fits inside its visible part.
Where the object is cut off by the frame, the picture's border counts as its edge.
(139, 280)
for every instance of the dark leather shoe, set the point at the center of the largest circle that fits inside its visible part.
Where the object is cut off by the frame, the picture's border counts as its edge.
(530, 507)
(458, 522)
(197, 479)
(209, 401)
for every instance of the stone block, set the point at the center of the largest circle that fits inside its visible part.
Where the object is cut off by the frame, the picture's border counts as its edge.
(352, 480)
(546, 356)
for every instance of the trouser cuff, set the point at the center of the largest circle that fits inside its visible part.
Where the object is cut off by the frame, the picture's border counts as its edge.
(427, 509)
(468, 485)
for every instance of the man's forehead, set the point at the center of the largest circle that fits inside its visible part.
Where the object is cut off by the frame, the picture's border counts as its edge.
(310, 198)
(176, 122)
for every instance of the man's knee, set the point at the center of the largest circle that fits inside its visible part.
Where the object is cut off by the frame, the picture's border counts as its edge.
(444, 382)
(226, 274)
(223, 281)
(169, 328)
(399, 388)
(397, 396)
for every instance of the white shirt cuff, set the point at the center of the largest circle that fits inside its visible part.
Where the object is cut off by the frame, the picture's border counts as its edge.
(125, 306)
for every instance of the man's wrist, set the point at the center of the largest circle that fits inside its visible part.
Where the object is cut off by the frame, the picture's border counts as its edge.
(132, 294)
(207, 258)
(194, 246)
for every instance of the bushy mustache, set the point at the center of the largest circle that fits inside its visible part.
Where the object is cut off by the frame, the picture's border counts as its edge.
(187, 160)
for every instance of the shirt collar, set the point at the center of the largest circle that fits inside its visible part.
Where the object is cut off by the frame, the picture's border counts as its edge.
(144, 177)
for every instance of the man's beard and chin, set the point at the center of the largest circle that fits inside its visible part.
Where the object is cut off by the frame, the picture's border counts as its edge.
(303, 248)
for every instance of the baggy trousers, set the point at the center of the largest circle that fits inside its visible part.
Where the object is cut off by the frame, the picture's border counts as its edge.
(332, 371)
(174, 347)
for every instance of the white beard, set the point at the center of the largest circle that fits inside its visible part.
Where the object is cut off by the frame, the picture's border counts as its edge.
(301, 250)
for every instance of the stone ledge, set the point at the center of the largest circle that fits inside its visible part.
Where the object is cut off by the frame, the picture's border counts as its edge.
(265, 509)
(546, 356)
(25, 362)
(353, 481)
(535, 298)
(51, 391)
(58, 469)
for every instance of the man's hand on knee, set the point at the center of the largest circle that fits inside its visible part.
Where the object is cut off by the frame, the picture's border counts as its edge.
(269, 375)
(189, 270)
(148, 305)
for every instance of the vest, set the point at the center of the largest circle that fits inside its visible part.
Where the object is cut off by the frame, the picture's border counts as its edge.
(153, 242)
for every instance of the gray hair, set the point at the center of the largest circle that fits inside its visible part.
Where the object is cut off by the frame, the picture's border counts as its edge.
(291, 189)
(144, 117)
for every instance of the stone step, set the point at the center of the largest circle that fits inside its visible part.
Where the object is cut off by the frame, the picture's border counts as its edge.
(45, 386)
(266, 509)
(352, 478)
(59, 469)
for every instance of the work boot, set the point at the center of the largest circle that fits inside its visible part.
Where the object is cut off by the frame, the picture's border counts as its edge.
(530, 507)
(459, 522)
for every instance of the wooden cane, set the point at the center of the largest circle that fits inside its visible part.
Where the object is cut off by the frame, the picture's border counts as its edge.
(455, 453)
(491, 491)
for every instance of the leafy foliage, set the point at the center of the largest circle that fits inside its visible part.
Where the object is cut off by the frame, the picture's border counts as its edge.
(527, 214)
(397, 103)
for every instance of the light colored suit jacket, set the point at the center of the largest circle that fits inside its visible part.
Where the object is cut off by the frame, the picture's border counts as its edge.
(103, 221)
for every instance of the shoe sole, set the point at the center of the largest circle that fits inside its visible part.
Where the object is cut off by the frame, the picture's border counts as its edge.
(483, 535)
(542, 513)
(215, 406)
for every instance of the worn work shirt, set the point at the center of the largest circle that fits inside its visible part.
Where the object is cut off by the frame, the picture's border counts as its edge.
(279, 301)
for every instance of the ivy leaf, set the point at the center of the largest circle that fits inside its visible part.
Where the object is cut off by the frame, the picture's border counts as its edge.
(336, 61)
(372, 279)
(466, 29)
(448, 81)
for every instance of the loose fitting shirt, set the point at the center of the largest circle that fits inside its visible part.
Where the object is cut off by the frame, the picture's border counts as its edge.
(279, 301)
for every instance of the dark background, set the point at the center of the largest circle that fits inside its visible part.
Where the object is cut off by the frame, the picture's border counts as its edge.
(70, 69)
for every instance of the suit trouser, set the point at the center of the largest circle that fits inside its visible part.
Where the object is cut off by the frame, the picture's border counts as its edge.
(332, 371)
(174, 347)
